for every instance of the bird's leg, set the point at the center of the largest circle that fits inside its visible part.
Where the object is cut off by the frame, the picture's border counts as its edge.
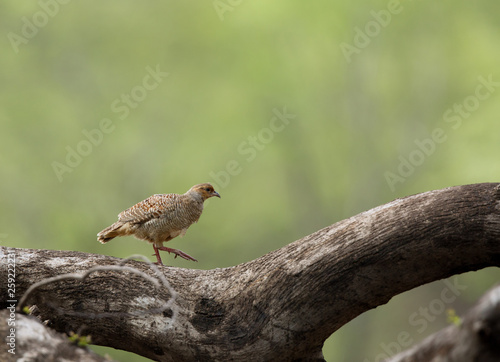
(177, 253)
(157, 253)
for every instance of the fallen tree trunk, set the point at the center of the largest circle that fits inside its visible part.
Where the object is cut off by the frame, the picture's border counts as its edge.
(475, 338)
(281, 306)
(32, 341)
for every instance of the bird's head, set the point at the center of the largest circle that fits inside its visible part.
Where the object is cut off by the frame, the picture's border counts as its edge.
(205, 190)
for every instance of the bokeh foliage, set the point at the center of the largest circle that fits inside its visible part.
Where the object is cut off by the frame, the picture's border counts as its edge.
(230, 64)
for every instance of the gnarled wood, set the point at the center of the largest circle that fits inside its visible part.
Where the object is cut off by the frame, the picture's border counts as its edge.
(281, 306)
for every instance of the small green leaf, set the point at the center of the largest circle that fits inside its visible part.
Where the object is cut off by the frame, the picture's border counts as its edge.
(453, 318)
(26, 310)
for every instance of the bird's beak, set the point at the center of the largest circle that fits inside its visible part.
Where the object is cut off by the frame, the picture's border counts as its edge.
(215, 193)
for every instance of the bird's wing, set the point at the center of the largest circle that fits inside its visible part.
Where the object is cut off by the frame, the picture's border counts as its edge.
(153, 207)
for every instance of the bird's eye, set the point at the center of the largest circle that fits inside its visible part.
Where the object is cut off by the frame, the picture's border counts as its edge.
(207, 189)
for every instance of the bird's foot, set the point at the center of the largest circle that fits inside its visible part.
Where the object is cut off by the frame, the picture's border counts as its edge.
(177, 253)
(158, 263)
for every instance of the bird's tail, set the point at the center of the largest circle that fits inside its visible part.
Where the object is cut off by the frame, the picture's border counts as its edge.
(110, 232)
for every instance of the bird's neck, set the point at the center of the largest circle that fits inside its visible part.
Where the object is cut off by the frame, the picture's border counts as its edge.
(194, 196)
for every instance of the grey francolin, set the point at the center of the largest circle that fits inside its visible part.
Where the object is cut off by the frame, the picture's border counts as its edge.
(161, 218)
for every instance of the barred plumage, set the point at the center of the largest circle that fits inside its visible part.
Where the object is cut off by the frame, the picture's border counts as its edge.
(160, 218)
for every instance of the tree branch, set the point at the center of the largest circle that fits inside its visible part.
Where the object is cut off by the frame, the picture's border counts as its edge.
(30, 340)
(282, 305)
(477, 338)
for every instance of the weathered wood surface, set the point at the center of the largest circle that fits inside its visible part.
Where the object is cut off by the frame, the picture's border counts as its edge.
(281, 306)
(476, 338)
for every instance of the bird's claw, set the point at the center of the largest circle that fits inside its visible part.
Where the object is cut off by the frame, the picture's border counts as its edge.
(177, 253)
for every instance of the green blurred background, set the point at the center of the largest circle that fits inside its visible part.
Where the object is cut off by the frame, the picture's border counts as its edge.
(357, 115)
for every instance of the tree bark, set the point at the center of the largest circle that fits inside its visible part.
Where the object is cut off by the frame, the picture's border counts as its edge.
(32, 341)
(281, 306)
(476, 338)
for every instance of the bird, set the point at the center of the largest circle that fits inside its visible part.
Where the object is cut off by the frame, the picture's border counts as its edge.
(160, 218)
